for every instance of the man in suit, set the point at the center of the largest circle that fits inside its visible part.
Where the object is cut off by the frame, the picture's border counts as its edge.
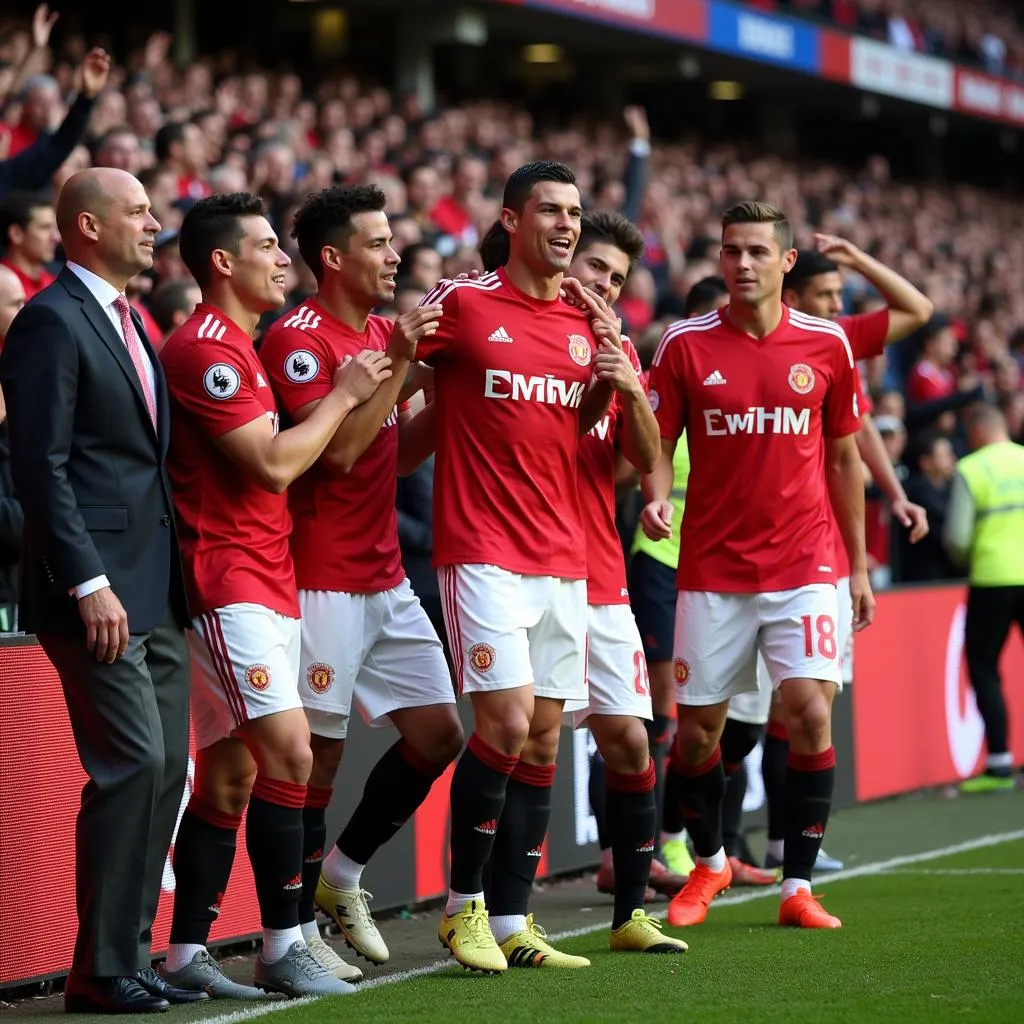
(101, 574)
(12, 519)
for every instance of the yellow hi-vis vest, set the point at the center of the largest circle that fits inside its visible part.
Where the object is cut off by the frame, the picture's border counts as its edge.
(995, 478)
(667, 551)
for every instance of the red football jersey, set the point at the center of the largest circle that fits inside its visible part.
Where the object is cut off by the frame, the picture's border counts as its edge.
(234, 533)
(510, 374)
(345, 532)
(757, 515)
(866, 333)
(606, 565)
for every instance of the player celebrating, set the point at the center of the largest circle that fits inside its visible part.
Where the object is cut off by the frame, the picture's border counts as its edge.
(230, 466)
(364, 632)
(513, 363)
(768, 401)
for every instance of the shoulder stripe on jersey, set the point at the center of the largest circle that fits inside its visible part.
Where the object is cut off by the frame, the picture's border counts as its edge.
(202, 327)
(444, 287)
(680, 327)
(212, 328)
(814, 323)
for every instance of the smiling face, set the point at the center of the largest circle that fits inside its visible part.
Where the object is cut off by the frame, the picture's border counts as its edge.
(368, 263)
(603, 268)
(753, 263)
(257, 270)
(544, 235)
(124, 228)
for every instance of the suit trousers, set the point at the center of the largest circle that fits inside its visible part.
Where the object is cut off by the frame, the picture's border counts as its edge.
(131, 726)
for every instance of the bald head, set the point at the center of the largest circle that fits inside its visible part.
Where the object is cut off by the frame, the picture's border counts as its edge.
(105, 224)
(986, 425)
(12, 298)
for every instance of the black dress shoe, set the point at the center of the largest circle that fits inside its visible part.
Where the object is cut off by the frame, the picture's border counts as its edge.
(109, 995)
(157, 986)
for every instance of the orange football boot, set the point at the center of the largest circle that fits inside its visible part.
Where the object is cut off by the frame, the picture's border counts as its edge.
(690, 904)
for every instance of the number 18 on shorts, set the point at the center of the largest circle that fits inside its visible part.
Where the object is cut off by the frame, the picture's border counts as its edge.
(718, 636)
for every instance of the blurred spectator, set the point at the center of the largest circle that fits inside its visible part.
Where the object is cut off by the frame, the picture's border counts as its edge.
(29, 236)
(173, 302)
(420, 266)
(181, 148)
(40, 104)
(451, 214)
(928, 485)
(119, 147)
(12, 519)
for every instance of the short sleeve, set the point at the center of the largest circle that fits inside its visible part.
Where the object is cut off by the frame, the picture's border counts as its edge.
(433, 349)
(866, 332)
(864, 403)
(210, 382)
(842, 410)
(667, 387)
(634, 358)
(300, 367)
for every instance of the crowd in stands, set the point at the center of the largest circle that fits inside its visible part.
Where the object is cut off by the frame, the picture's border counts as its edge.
(986, 34)
(187, 132)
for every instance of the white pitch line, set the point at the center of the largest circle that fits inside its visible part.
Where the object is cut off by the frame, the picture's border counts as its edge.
(865, 870)
(960, 872)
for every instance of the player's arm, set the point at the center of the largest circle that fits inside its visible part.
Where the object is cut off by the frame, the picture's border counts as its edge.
(639, 439)
(420, 377)
(275, 460)
(656, 487)
(846, 490)
(607, 330)
(356, 432)
(876, 458)
(909, 308)
(417, 438)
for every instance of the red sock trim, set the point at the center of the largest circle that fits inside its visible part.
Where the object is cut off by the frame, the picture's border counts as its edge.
(623, 782)
(418, 762)
(277, 791)
(662, 738)
(504, 763)
(693, 770)
(777, 730)
(540, 775)
(732, 767)
(318, 796)
(812, 762)
(219, 819)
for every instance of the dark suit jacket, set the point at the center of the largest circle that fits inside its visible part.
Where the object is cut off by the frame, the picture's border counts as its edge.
(88, 466)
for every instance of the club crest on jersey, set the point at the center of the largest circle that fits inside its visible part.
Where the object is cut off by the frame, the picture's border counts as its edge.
(320, 677)
(482, 657)
(579, 350)
(221, 381)
(801, 378)
(301, 366)
(258, 677)
(681, 670)
(654, 400)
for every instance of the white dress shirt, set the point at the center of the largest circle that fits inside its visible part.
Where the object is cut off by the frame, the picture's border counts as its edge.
(106, 294)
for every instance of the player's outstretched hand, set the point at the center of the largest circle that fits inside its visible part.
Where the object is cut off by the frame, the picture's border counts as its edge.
(863, 600)
(361, 376)
(106, 624)
(912, 516)
(605, 324)
(656, 520)
(410, 327)
(611, 364)
(837, 249)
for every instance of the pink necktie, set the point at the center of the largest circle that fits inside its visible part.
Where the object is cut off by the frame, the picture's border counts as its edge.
(134, 346)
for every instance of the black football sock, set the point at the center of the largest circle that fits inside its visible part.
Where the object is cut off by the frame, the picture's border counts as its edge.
(732, 808)
(204, 852)
(518, 846)
(399, 782)
(701, 788)
(809, 782)
(598, 799)
(632, 822)
(477, 799)
(273, 840)
(773, 771)
(659, 736)
(314, 836)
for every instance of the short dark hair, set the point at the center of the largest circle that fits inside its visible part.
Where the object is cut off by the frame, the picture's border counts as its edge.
(751, 212)
(169, 298)
(17, 210)
(215, 223)
(605, 226)
(523, 179)
(809, 263)
(325, 218)
(701, 298)
(495, 246)
(166, 136)
(924, 444)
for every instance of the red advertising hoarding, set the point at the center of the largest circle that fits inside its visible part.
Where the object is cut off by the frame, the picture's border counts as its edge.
(916, 723)
(39, 798)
